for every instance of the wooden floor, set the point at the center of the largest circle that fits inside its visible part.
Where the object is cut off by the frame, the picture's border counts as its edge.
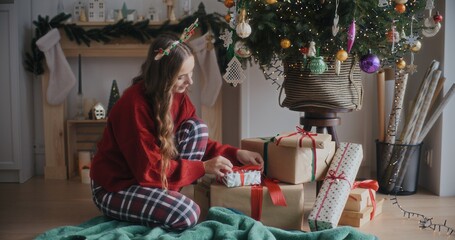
(38, 205)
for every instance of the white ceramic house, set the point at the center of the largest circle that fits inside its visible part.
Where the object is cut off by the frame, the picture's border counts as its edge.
(78, 8)
(96, 11)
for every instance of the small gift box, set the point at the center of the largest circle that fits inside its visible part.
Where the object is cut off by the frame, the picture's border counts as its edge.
(295, 164)
(362, 195)
(256, 202)
(242, 176)
(336, 187)
(358, 219)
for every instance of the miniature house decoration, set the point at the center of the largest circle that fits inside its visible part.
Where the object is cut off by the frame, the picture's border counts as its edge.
(78, 10)
(153, 15)
(96, 11)
(98, 111)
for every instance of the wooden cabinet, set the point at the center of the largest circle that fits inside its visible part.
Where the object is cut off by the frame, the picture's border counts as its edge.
(54, 115)
(81, 135)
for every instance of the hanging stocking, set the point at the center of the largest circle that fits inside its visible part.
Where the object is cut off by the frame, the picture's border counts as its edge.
(208, 65)
(61, 79)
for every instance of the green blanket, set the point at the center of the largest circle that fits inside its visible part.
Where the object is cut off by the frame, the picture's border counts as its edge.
(222, 223)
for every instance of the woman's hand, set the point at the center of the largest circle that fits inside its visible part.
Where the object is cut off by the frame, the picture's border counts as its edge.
(218, 165)
(246, 157)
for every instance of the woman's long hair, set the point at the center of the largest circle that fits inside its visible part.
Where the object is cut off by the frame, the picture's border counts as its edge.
(159, 78)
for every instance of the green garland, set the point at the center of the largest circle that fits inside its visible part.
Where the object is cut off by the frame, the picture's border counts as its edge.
(140, 31)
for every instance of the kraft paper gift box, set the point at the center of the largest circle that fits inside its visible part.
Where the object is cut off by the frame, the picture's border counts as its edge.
(336, 187)
(239, 198)
(357, 200)
(358, 219)
(294, 164)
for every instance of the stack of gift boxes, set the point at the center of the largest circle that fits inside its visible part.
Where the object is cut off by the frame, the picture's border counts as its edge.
(362, 205)
(291, 160)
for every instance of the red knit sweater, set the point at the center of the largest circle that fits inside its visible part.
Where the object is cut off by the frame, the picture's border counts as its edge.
(128, 153)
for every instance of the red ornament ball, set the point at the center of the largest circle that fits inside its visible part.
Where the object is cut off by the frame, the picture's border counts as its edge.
(437, 17)
(400, 8)
(304, 50)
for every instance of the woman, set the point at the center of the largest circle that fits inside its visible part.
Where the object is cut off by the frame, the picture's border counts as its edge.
(154, 144)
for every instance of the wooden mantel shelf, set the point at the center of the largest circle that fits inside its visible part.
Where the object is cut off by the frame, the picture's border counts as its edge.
(54, 116)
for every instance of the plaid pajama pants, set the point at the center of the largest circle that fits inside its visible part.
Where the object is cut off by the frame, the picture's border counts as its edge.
(155, 206)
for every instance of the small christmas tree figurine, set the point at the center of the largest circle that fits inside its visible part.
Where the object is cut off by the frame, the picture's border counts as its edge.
(114, 96)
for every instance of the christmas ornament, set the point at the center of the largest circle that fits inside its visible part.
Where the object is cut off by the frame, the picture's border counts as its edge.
(243, 29)
(400, 63)
(416, 46)
(392, 35)
(228, 17)
(271, 1)
(437, 17)
(431, 28)
(312, 49)
(342, 55)
(226, 36)
(229, 3)
(234, 72)
(401, 1)
(369, 63)
(400, 8)
(335, 27)
(317, 65)
(403, 34)
(285, 43)
(351, 35)
(383, 3)
(304, 50)
(241, 49)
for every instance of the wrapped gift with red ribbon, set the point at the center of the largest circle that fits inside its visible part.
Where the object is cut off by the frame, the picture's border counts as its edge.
(336, 187)
(242, 176)
(274, 204)
(291, 163)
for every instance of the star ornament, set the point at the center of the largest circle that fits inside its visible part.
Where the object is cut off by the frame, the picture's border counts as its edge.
(411, 39)
(411, 68)
(226, 36)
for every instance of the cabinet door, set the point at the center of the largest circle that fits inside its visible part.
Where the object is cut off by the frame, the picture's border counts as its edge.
(9, 93)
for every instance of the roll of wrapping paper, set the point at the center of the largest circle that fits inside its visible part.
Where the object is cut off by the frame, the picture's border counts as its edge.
(436, 113)
(381, 105)
(403, 160)
(408, 128)
(399, 91)
(387, 182)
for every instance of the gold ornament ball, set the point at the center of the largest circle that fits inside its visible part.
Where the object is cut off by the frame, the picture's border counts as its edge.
(401, 1)
(401, 64)
(342, 55)
(416, 46)
(271, 1)
(285, 43)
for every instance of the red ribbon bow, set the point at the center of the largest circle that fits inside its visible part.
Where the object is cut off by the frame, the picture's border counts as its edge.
(371, 185)
(331, 175)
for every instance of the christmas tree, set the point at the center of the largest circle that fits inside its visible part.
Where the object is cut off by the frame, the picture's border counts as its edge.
(114, 96)
(285, 28)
